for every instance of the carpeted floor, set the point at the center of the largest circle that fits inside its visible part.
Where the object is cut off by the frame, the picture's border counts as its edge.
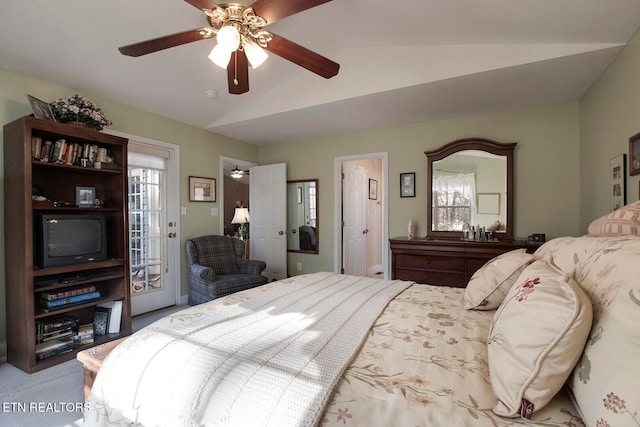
(52, 397)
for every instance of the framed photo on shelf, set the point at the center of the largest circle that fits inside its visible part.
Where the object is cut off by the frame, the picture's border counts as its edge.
(634, 155)
(41, 109)
(202, 189)
(373, 189)
(618, 182)
(85, 197)
(408, 184)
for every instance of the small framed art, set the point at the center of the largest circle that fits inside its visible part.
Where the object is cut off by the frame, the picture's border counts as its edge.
(373, 189)
(634, 155)
(618, 178)
(41, 109)
(85, 197)
(202, 189)
(488, 203)
(408, 184)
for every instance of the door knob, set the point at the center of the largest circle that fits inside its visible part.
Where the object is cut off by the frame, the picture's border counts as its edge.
(365, 231)
(172, 235)
(281, 232)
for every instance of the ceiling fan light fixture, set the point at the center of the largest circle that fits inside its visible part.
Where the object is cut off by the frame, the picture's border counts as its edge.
(228, 38)
(220, 56)
(255, 54)
(236, 173)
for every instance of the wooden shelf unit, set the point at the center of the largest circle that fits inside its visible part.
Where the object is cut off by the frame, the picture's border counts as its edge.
(24, 280)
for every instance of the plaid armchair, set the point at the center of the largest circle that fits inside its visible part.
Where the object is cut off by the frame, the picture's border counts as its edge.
(216, 267)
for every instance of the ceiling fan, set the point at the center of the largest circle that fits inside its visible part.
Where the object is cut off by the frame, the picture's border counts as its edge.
(238, 173)
(243, 40)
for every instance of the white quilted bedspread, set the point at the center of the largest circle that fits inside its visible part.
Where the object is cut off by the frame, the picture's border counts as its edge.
(269, 360)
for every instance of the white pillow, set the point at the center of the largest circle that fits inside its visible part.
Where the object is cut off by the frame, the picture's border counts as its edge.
(536, 338)
(489, 285)
(606, 381)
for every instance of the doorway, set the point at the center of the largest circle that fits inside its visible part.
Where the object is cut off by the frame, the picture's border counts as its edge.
(153, 209)
(232, 191)
(361, 213)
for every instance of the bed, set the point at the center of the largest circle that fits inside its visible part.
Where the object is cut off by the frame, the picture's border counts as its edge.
(549, 339)
(423, 362)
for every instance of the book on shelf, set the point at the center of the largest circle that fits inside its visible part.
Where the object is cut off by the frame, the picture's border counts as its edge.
(57, 303)
(101, 320)
(67, 292)
(85, 334)
(55, 347)
(55, 335)
(36, 147)
(55, 329)
(115, 315)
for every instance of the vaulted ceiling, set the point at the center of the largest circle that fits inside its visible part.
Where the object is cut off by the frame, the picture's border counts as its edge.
(400, 62)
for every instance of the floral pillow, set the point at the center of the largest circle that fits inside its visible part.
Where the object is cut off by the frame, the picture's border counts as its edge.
(536, 338)
(606, 381)
(623, 221)
(489, 285)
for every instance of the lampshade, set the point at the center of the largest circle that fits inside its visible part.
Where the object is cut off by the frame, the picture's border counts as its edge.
(220, 56)
(228, 38)
(241, 216)
(255, 54)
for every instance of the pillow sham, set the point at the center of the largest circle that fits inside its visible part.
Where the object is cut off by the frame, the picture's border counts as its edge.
(489, 285)
(621, 222)
(536, 339)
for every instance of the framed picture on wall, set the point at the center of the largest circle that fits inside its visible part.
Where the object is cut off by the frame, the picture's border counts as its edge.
(202, 189)
(634, 155)
(408, 184)
(373, 189)
(618, 182)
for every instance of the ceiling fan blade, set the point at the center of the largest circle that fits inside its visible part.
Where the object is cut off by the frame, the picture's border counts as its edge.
(238, 73)
(274, 10)
(303, 57)
(154, 45)
(202, 4)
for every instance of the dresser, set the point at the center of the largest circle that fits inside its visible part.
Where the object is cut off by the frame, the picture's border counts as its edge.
(445, 262)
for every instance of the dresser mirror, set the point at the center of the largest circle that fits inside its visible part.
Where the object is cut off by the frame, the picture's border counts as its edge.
(302, 216)
(470, 183)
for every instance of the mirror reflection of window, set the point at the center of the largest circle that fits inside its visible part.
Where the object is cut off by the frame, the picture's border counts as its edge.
(302, 216)
(453, 201)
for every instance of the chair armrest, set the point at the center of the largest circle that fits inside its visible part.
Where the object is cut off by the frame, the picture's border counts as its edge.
(251, 266)
(203, 272)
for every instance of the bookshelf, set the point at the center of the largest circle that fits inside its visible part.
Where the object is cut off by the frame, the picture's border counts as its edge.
(57, 180)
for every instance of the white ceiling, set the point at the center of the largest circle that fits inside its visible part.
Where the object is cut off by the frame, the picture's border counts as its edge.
(400, 62)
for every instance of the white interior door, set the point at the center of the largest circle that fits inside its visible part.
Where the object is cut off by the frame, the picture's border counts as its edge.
(268, 212)
(355, 194)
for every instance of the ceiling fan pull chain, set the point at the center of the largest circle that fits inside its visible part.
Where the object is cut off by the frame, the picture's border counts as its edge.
(235, 69)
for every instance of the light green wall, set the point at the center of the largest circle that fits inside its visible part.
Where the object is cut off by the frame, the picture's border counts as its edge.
(546, 169)
(561, 162)
(609, 115)
(200, 153)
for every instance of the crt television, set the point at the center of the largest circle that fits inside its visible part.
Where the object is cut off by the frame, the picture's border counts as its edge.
(66, 239)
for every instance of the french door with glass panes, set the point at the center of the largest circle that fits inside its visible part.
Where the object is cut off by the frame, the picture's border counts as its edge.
(152, 234)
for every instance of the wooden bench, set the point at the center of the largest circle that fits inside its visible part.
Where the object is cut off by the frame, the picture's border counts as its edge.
(91, 359)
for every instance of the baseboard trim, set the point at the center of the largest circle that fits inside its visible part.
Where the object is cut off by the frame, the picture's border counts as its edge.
(3, 352)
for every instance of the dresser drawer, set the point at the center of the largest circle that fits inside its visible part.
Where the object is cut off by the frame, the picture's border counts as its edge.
(440, 278)
(429, 262)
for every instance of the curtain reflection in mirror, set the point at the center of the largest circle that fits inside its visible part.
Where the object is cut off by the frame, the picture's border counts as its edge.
(453, 201)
